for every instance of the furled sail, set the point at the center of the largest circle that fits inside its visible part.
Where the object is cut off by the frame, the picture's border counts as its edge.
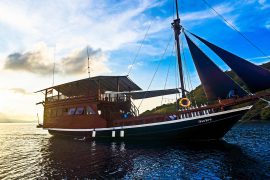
(255, 77)
(215, 82)
(154, 93)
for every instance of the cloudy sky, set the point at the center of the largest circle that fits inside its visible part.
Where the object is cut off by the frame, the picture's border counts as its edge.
(35, 34)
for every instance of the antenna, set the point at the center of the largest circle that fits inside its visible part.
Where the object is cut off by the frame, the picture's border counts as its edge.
(37, 118)
(53, 65)
(88, 63)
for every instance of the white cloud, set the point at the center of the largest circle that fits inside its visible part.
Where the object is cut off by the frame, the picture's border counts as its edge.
(267, 25)
(70, 24)
(207, 14)
(19, 91)
(14, 15)
(260, 59)
(40, 61)
(35, 61)
(264, 4)
(76, 62)
(262, 1)
(136, 65)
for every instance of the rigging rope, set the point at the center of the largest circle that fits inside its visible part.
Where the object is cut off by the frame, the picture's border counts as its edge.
(138, 52)
(188, 73)
(177, 78)
(192, 96)
(161, 58)
(234, 28)
(184, 65)
(167, 75)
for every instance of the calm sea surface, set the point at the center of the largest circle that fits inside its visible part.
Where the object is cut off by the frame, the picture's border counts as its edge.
(30, 153)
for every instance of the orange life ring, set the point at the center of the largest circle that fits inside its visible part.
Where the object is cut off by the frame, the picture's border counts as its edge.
(184, 102)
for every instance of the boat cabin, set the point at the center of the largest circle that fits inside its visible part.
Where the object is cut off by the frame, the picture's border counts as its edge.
(94, 102)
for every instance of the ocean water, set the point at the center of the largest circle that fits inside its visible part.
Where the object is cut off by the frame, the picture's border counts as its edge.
(30, 153)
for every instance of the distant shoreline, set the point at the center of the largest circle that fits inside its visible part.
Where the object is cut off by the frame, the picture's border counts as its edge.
(30, 122)
(251, 121)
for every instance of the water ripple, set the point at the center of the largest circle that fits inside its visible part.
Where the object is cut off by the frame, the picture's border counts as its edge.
(30, 153)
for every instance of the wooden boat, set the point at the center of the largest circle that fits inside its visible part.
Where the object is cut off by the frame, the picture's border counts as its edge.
(102, 107)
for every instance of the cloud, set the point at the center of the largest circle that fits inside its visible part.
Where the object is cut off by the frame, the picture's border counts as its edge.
(260, 59)
(77, 62)
(135, 65)
(267, 25)
(19, 91)
(18, 20)
(84, 22)
(207, 14)
(40, 61)
(80, 22)
(35, 61)
(27, 62)
(264, 4)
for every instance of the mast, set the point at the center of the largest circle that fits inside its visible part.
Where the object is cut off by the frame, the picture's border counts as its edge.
(177, 31)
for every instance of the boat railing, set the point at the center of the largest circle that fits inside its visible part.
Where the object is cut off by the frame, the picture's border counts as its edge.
(56, 98)
(134, 110)
(108, 97)
(154, 118)
(62, 98)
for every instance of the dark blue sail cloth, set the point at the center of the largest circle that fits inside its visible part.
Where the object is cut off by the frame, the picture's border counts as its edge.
(255, 77)
(215, 82)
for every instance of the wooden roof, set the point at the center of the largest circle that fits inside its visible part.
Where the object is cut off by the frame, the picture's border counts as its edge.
(106, 83)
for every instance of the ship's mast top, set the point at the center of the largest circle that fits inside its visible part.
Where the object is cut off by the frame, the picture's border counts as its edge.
(176, 6)
(177, 31)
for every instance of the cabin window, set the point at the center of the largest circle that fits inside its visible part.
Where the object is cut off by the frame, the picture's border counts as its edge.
(79, 111)
(71, 111)
(89, 110)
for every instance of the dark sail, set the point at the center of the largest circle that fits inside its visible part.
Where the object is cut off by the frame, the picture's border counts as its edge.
(255, 77)
(215, 82)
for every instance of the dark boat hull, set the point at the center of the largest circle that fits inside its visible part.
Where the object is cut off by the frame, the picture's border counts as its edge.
(208, 127)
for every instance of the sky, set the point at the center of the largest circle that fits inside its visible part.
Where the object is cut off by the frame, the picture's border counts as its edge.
(122, 36)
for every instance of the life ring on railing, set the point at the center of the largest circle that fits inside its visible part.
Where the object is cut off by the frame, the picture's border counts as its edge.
(184, 102)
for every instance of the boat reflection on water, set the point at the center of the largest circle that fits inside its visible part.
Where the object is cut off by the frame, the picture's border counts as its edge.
(63, 158)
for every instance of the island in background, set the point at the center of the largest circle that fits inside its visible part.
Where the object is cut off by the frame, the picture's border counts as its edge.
(258, 111)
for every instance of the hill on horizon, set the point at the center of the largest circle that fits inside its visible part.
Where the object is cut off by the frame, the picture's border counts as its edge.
(258, 112)
(5, 119)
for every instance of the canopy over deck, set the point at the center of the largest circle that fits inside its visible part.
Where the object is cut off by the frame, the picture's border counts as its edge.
(153, 93)
(104, 83)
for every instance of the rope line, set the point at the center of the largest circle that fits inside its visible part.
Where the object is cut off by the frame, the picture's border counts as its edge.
(177, 77)
(155, 71)
(234, 28)
(188, 74)
(138, 52)
(167, 75)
